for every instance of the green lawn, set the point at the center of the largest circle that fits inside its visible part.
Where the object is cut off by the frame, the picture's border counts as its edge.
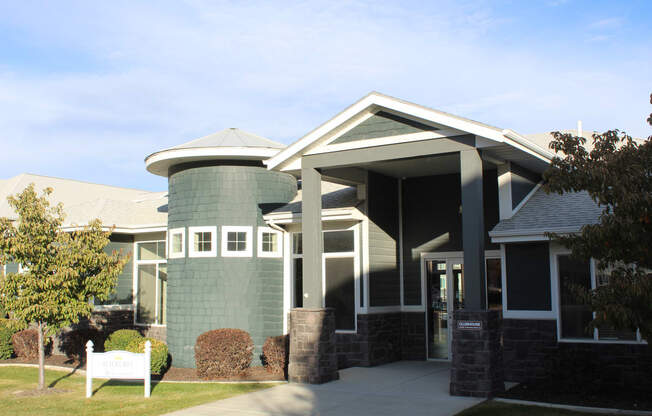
(109, 398)
(505, 409)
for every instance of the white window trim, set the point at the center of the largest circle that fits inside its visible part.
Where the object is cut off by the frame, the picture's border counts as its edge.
(357, 274)
(191, 238)
(226, 229)
(171, 233)
(523, 313)
(136, 284)
(279, 242)
(556, 251)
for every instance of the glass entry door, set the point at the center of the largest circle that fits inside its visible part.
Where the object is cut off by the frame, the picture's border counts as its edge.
(445, 294)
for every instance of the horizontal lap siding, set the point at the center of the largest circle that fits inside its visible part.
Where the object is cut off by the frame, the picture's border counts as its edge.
(384, 277)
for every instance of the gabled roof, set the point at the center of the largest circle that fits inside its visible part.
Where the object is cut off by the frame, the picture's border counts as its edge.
(228, 144)
(375, 102)
(83, 201)
(566, 213)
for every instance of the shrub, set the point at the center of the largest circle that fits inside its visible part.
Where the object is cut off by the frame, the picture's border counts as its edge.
(275, 354)
(6, 347)
(25, 344)
(73, 343)
(223, 353)
(120, 339)
(159, 357)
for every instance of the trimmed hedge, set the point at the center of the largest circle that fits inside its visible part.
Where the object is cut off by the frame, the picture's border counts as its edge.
(275, 354)
(223, 353)
(6, 347)
(25, 344)
(120, 339)
(159, 358)
(73, 343)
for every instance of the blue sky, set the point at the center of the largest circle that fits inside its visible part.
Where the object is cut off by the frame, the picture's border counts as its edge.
(88, 89)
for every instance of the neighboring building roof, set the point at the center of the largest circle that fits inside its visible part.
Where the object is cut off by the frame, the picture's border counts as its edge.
(544, 139)
(227, 144)
(83, 201)
(548, 213)
(334, 196)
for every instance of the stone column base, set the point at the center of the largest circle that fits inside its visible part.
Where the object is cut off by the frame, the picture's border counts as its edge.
(477, 366)
(313, 358)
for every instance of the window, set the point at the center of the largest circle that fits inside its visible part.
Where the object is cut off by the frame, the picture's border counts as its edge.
(339, 275)
(151, 283)
(236, 241)
(574, 316)
(203, 241)
(177, 243)
(269, 242)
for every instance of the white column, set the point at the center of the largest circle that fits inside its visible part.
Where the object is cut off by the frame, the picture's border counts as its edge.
(505, 191)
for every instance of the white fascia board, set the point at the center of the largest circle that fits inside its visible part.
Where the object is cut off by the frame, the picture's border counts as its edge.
(158, 162)
(326, 215)
(521, 143)
(514, 236)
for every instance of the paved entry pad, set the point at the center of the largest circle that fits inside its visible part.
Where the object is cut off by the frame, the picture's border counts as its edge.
(412, 388)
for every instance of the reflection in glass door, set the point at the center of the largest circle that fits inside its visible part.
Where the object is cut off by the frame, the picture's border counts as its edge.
(440, 276)
(437, 309)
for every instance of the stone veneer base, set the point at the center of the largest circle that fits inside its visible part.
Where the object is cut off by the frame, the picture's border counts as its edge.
(477, 364)
(313, 356)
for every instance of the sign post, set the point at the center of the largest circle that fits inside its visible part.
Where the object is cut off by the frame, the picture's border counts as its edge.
(118, 364)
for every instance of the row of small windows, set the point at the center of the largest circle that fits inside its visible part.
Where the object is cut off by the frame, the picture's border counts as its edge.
(236, 241)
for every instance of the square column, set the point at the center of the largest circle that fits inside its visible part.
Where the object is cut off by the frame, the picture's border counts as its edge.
(312, 238)
(313, 357)
(476, 368)
(473, 232)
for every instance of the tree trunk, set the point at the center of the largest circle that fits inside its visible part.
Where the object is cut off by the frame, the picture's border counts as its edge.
(41, 358)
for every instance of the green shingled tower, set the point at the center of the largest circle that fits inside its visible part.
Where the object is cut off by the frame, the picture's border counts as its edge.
(219, 181)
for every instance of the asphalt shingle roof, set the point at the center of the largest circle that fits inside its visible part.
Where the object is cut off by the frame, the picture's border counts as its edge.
(83, 201)
(333, 196)
(548, 212)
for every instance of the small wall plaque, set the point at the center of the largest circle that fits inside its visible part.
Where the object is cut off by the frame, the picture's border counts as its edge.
(469, 325)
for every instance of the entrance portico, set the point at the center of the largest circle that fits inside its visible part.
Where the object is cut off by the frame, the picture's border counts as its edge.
(390, 150)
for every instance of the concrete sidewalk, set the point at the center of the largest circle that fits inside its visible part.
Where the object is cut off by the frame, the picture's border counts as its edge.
(403, 388)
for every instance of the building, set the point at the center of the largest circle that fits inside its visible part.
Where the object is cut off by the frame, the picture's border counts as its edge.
(421, 232)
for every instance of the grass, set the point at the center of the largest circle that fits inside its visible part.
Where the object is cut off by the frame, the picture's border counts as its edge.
(492, 408)
(109, 398)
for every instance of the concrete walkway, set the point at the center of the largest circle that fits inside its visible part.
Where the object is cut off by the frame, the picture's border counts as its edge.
(411, 388)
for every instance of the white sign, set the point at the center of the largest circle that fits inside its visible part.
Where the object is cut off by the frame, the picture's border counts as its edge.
(118, 364)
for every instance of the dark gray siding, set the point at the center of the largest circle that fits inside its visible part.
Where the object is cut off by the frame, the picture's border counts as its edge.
(223, 292)
(384, 276)
(382, 125)
(124, 290)
(523, 181)
(528, 276)
(432, 221)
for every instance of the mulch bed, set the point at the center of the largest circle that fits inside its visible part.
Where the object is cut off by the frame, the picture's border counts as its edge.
(256, 373)
(614, 398)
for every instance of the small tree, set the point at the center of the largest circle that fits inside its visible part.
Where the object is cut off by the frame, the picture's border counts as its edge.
(62, 271)
(617, 174)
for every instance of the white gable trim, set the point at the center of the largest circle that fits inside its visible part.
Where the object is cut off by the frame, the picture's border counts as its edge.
(376, 101)
(382, 141)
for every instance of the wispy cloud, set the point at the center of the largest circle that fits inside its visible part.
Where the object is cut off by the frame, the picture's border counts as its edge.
(150, 76)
